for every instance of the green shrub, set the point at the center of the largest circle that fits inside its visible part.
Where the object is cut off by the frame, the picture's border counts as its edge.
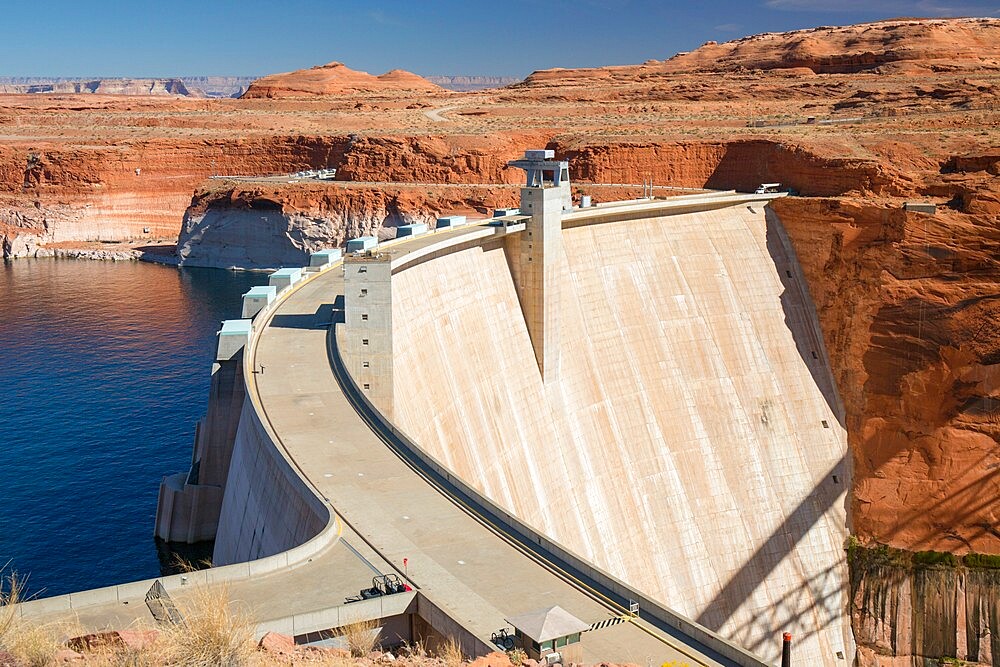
(982, 561)
(932, 558)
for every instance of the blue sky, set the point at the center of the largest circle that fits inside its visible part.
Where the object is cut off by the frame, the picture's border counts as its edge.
(512, 37)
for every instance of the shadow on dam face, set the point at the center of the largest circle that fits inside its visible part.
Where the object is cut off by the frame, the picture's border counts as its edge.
(797, 305)
(826, 584)
(822, 587)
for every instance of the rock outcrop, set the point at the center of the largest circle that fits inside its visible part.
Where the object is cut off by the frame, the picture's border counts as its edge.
(53, 194)
(279, 225)
(334, 79)
(741, 164)
(918, 44)
(907, 302)
(190, 86)
(910, 609)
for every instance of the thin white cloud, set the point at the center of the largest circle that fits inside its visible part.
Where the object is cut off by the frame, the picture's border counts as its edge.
(380, 17)
(729, 27)
(893, 7)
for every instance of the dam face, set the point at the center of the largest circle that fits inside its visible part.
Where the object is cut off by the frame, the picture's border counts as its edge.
(691, 442)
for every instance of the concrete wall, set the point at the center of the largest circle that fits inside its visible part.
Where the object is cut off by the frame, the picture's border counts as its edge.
(691, 442)
(189, 503)
(267, 508)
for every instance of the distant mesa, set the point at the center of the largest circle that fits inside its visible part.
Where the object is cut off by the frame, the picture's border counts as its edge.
(334, 79)
(135, 87)
(182, 86)
(464, 83)
(898, 46)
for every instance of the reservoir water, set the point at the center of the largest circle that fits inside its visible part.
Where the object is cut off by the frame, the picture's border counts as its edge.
(104, 371)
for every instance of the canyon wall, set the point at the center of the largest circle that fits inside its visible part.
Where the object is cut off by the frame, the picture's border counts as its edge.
(280, 225)
(263, 224)
(737, 164)
(141, 190)
(910, 609)
(129, 192)
(908, 306)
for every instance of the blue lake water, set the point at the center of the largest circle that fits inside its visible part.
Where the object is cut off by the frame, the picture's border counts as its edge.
(104, 371)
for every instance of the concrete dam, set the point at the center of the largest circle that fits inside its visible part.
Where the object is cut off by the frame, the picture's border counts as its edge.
(690, 442)
(590, 407)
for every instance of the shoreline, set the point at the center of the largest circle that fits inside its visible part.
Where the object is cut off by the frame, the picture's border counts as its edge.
(164, 254)
(119, 255)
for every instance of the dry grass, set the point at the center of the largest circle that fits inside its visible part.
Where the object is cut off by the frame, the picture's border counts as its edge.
(32, 644)
(214, 632)
(147, 657)
(451, 653)
(10, 594)
(181, 564)
(361, 637)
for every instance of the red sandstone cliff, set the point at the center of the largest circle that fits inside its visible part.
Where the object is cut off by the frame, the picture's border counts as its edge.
(907, 302)
(52, 194)
(272, 225)
(909, 46)
(335, 79)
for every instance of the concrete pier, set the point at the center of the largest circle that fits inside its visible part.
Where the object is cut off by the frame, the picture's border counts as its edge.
(189, 503)
(541, 274)
(368, 341)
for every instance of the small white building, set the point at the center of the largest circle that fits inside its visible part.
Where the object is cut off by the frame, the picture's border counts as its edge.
(362, 243)
(546, 631)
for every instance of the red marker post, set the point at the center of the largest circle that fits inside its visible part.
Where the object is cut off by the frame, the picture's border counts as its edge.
(786, 650)
(405, 561)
